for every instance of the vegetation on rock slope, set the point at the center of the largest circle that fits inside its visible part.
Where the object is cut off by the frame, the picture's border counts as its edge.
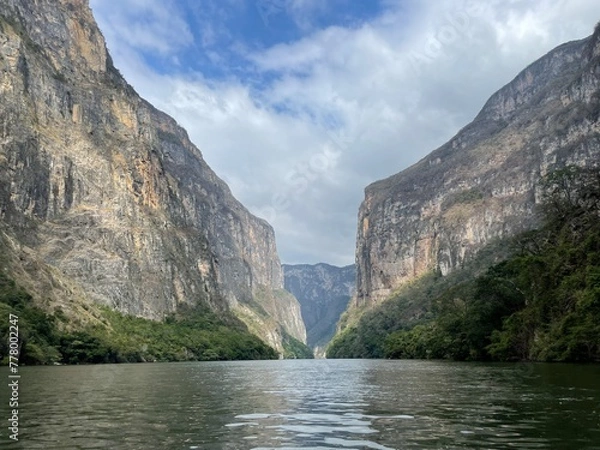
(294, 349)
(542, 303)
(194, 334)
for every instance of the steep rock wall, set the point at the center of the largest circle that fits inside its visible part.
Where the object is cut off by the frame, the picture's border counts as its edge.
(110, 191)
(484, 183)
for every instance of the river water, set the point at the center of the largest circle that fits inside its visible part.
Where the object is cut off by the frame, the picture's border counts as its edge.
(319, 404)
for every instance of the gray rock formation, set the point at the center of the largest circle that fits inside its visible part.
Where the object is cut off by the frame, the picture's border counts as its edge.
(323, 292)
(484, 183)
(110, 194)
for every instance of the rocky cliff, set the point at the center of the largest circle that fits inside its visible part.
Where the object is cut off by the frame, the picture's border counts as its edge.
(323, 292)
(109, 195)
(484, 183)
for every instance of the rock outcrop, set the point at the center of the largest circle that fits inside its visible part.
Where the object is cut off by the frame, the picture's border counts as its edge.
(323, 292)
(110, 194)
(484, 183)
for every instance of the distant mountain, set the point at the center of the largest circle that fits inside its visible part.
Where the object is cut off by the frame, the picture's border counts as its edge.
(323, 292)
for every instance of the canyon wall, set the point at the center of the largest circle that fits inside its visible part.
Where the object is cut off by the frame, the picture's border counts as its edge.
(484, 184)
(109, 194)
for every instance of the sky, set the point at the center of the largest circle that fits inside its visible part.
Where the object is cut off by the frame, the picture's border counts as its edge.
(300, 104)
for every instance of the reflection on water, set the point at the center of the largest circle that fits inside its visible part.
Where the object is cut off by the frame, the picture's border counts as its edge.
(352, 405)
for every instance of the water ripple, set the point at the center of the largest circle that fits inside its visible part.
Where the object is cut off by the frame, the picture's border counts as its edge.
(321, 430)
(303, 405)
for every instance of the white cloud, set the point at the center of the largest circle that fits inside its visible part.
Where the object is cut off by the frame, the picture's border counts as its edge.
(379, 97)
(144, 25)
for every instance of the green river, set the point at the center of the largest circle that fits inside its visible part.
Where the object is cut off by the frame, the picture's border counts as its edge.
(309, 404)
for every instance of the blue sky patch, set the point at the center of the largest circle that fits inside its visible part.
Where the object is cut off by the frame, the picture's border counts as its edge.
(225, 31)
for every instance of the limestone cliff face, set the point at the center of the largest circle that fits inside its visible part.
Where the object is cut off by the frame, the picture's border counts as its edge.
(484, 183)
(109, 192)
(324, 292)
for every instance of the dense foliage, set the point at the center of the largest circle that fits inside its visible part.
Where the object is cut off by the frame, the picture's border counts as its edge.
(194, 334)
(543, 303)
(294, 349)
(37, 330)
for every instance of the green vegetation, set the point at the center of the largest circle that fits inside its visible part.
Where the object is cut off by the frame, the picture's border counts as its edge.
(294, 349)
(468, 196)
(365, 337)
(542, 303)
(192, 335)
(411, 305)
(37, 330)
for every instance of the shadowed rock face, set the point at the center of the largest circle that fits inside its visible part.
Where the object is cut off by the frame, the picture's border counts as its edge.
(110, 194)
(484, 183)
(323, 292)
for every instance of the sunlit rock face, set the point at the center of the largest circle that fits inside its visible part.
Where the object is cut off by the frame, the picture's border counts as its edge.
(484, 183)
(110, 194)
